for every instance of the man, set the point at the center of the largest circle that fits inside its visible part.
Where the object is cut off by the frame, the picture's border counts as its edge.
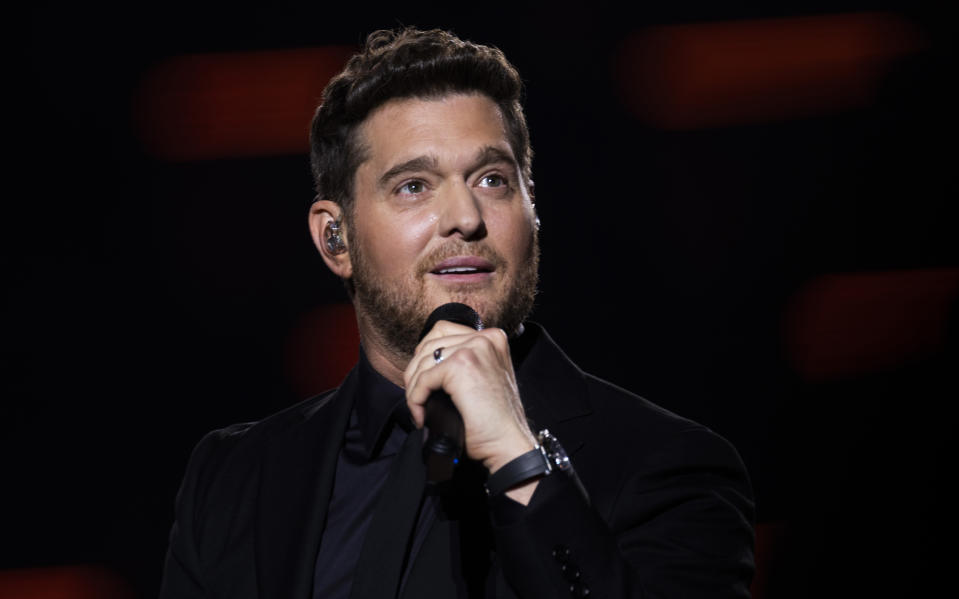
(422, 165)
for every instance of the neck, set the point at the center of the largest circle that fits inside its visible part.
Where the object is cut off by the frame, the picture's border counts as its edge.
(384, 364)
(385, 361)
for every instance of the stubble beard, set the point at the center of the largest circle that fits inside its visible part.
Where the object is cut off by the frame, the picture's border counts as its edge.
(396, 313)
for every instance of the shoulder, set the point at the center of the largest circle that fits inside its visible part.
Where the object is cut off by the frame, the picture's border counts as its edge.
(642, 420)
(271, 426)
(665, 459)
(242, 445)
(556, 387)
(657, 436)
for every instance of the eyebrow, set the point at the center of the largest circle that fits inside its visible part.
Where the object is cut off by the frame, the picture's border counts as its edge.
(486, 155)
(491, 155)
(420, 163)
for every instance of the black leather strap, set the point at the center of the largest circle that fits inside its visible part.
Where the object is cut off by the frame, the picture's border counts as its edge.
(518, 470)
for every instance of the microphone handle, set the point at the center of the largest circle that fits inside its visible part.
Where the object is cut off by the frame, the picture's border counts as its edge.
(445, 432)
(445, 439)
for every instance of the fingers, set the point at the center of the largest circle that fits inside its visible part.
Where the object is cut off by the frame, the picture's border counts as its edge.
(463, 350)
(426, 375)
(448, 336)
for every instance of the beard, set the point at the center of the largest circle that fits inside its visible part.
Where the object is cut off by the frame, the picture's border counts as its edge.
(397, 312)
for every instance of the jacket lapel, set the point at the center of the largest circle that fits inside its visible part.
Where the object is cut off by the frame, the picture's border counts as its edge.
(295, 488)
(553, 389)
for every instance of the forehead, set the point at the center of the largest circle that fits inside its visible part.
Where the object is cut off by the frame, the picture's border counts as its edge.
(444, 127)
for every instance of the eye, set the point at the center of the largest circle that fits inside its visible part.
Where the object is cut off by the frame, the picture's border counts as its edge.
(412, 187)
(492, 181)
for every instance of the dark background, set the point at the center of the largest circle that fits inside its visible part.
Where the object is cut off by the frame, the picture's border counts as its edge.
(148, 301)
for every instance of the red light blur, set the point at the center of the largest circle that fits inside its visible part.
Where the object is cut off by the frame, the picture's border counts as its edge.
(211, 106)
(846, 325)
(322, 348)
(716, 74)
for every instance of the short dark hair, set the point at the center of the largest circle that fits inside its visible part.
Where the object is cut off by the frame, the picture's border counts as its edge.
(408, 63)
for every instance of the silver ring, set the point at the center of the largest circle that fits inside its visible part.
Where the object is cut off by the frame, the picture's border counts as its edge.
(438, 354)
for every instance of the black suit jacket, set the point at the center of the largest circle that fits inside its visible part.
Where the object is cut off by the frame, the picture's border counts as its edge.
(669, 512)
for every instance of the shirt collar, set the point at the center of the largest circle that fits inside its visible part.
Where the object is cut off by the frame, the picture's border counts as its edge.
(379, 403)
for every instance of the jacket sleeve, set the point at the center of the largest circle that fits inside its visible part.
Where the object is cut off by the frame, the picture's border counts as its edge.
(680, 527)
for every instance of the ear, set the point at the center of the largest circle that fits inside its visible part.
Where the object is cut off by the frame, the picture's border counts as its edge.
(324, 213)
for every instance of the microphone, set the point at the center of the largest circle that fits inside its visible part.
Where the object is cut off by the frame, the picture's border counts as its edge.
(445, 432)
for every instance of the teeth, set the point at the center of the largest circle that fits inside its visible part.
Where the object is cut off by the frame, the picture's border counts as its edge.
(457, 270)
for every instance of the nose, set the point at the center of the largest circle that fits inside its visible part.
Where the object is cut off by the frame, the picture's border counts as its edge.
(461, 213)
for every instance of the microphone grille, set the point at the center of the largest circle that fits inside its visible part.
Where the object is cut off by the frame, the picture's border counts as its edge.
(453, 312)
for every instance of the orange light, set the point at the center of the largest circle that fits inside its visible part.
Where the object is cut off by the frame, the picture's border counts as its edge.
(847, 325)
(322, 348)
(64, 582)
(715, 74)
(210, 106)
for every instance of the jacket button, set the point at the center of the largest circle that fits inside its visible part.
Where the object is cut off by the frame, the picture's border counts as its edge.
(561, 553)
(579, 590)
(571, 572)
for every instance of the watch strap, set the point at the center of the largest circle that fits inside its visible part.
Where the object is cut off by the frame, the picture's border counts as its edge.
(518, 470)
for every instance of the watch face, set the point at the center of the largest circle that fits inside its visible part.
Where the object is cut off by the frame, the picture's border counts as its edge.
(554, 451)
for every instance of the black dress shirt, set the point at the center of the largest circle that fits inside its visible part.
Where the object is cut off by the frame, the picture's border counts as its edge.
(379, 424)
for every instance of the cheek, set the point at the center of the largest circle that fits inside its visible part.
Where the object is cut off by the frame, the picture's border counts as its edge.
(397, 242)
(516, 235)
(418, 230)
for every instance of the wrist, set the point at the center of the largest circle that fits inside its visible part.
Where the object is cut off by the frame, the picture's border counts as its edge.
(519, 472)
(507, 453)
(523, 472)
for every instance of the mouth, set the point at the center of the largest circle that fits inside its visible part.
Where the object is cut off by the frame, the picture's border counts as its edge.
(463, 269)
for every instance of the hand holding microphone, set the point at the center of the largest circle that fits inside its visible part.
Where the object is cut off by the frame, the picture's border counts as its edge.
(445, 440)
(460, 384)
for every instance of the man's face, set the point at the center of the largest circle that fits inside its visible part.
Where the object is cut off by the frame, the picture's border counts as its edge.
(440, 215)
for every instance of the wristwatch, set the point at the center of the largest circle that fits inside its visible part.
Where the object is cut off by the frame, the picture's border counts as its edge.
(554, 452)
(547, 457)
